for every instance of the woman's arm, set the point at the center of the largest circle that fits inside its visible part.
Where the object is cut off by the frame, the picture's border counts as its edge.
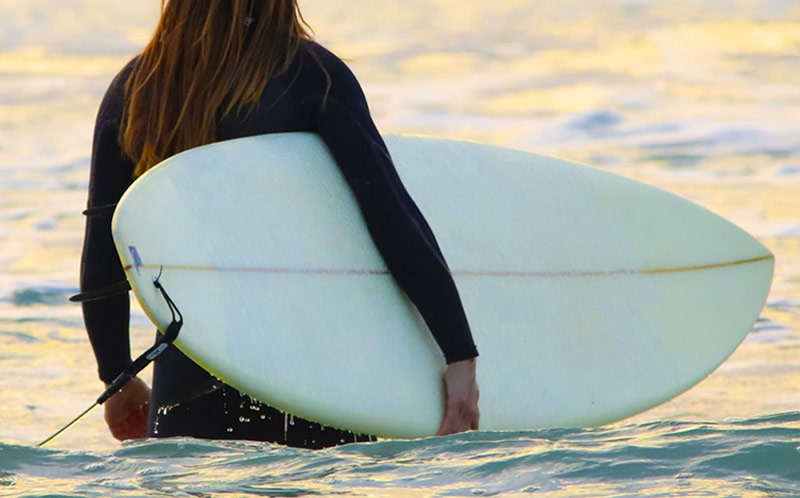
(396, 225)
(110, 175)
(401, 234)
(107, 320)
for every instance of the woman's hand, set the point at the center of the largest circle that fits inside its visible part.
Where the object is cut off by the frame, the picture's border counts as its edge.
(461, 391)
(126, 411)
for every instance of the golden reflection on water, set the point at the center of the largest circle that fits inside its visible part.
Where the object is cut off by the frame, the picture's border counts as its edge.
(736, 38)
(566, 98)
(36, 61)
(441, 64)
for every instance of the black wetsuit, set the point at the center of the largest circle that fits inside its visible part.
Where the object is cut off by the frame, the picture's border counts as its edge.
(297, 100)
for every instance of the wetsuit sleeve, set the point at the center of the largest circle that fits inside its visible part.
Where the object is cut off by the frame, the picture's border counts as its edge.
(400, 232)
(107, 319)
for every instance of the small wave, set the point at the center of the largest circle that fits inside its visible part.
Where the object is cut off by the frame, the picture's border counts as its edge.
(793, 231)
(769, 327)
(20, 337)
(788, 170)
(45, 225)
(786, 304)
(49, 295)
(691, 144)
(676, 160)
(596, 122)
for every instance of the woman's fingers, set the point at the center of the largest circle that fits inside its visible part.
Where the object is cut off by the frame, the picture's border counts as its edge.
(459, 417)
(126, 411)
(461, 405)
(128, 424)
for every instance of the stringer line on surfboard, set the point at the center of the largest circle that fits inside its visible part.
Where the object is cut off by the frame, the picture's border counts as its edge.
(460, 273)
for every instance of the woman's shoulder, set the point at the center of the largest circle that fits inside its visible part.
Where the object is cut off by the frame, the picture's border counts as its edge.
(332, 63)
(317, 50)
(121, 78)
(331, 68)
(115, 94)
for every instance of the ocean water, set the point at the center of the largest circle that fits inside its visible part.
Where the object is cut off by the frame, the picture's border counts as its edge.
(755, 457)
(700, 98)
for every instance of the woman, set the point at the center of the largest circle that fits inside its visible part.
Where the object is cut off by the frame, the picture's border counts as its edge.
(217, 70)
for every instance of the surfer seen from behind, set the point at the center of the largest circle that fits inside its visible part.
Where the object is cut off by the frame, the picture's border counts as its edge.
(218, 70)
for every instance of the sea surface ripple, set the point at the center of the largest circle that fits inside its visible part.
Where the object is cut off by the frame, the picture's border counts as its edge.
(759, 456)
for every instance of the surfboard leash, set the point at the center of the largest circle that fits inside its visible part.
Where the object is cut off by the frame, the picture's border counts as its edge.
(121, 287)
(144, 359)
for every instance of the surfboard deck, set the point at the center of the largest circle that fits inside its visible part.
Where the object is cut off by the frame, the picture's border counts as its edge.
(591, 297)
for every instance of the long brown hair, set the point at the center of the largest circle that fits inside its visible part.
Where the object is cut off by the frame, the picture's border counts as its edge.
(206, 59)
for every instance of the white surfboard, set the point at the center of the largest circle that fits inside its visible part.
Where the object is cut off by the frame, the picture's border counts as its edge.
(591, 297)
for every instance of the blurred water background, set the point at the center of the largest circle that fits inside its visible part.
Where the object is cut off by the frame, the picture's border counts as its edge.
(699, 97)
